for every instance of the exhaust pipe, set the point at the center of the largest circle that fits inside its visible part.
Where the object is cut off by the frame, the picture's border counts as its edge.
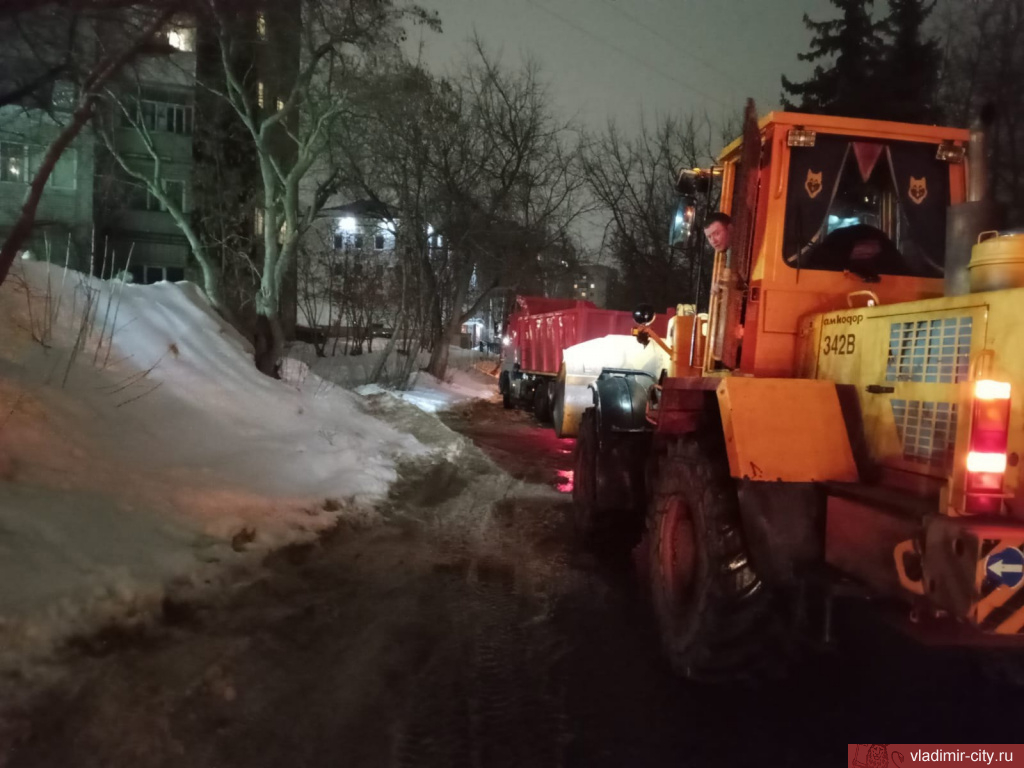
(977, 156)
(965, 222)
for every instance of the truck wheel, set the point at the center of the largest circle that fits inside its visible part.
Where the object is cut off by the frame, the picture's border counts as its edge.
(558, 406)
(716, 616)
(605, 480)
(505, 387)
(541, 403)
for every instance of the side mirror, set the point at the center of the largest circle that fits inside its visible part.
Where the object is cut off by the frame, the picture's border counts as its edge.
(682, 223)
(643, 314)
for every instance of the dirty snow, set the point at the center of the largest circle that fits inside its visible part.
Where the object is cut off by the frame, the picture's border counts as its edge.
(431, 395)
(470, 376)
(160, 456)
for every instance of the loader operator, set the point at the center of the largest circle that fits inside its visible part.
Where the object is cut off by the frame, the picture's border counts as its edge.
(718, 231)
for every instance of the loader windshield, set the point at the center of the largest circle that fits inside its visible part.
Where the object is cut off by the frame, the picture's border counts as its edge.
(869, 207)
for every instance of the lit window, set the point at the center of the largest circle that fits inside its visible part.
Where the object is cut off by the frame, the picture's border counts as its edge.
(63, 96)
(280, 104)
(257, 221)
(591, 285)
(182, 39)
(12, 162)
(261, 25)
(259, 93)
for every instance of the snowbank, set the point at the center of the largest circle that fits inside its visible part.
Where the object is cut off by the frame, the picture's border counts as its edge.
(468, 376)
(138, 444)
(431, 395)
(354, 371)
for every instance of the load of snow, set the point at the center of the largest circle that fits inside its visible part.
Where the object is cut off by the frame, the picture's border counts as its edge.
(614, 351)
(139, 445)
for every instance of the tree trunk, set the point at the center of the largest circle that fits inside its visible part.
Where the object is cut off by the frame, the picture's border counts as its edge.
(438, 365)
(269, 345)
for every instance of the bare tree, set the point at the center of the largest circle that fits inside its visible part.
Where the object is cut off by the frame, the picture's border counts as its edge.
(48, 40)
(984, 65)
(319, 289)
(631, 178)
(483, 178)
(148, 172)
(289, 129)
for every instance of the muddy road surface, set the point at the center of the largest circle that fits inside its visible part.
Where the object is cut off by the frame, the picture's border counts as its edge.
(467, 629)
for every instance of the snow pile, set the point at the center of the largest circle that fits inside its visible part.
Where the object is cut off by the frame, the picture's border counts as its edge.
(138, 444)
(468, 376)
(432, 395)
(354, 371)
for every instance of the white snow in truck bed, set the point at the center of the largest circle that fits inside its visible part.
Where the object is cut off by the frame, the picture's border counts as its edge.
(614, 351)
(161, 457)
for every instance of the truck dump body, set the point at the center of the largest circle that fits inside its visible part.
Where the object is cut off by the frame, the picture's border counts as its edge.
(540, 329)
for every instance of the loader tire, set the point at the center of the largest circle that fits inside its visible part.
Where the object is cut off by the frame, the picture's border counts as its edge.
(606, 515)
(718, 620)
(542, 403)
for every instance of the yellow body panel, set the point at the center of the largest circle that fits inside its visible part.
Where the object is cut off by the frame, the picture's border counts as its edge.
(789, 430)
(920, 357)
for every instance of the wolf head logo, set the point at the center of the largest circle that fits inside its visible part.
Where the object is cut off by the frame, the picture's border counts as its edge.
(918, 189)
(813, 183)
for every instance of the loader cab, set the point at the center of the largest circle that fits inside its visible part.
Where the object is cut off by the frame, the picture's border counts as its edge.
(848, 212)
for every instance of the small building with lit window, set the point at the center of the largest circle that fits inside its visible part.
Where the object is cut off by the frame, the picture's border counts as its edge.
(348, 259)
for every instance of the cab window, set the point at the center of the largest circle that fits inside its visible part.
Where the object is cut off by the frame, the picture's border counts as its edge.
(867, 207)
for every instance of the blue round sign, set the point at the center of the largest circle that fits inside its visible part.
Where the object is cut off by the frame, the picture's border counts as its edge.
(1006, 566)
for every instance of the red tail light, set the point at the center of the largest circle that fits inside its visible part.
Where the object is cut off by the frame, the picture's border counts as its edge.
(986, 459)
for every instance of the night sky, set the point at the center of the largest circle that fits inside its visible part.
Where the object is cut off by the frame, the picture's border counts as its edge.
(622, 58)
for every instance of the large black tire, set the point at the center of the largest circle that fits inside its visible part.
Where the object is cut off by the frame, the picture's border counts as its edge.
(558, 405)
(718, 620)
(607, 487)
(541, 402)
(505, 387)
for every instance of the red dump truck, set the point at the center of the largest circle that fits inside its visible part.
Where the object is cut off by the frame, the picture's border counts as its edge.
(537, 333)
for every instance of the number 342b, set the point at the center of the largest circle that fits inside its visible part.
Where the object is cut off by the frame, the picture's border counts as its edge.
(840, 344)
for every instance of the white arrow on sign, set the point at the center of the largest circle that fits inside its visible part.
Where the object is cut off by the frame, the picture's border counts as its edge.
(999, 568)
